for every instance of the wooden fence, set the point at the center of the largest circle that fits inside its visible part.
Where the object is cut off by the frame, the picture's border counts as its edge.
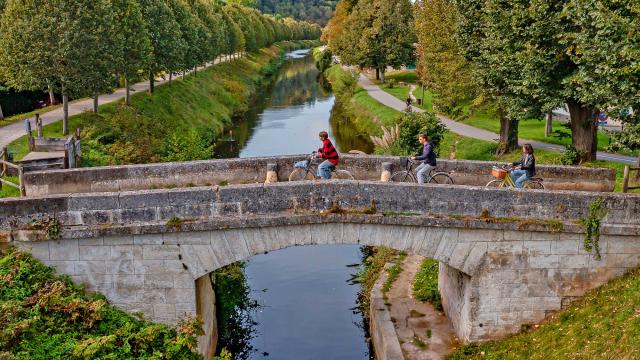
(5, 166)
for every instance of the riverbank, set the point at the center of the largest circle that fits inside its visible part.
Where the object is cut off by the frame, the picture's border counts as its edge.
(180, 121)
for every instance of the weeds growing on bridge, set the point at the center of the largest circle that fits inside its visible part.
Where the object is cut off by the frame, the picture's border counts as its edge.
(591, 225)
(51, 226)
(175, 223)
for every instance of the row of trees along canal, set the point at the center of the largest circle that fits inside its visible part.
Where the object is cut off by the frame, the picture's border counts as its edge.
(527, 57)
(85, 47)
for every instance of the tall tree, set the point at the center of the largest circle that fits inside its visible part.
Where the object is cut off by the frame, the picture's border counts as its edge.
(54, 42)
(440, 64)
(134, 50)
(378, 34)
(166, 38)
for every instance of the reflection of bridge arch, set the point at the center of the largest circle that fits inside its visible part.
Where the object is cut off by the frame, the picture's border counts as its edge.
(499, 270)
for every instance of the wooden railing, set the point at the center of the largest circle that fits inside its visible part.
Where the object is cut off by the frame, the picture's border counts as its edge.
(5, 166)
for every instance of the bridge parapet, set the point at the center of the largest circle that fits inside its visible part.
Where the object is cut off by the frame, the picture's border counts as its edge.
(254, 170)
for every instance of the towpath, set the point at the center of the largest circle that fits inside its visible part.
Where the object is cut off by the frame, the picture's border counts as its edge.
(473, 132)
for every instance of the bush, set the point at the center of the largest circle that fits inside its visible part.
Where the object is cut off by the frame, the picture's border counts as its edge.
(43, 316)
(391, 83)
(413, 124)
(570, 156)
(324, 59)
(188, 145)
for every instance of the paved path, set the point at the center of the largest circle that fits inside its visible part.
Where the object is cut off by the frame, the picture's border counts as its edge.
(14, 131)
(473, 132)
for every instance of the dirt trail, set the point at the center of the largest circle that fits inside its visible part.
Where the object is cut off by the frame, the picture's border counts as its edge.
(424, 332)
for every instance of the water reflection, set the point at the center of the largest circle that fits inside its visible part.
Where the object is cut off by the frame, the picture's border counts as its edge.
(287, 119)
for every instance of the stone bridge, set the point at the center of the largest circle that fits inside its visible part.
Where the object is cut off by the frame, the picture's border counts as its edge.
(507, 258)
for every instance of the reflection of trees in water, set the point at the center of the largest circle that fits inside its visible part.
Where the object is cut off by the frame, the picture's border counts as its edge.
(235, 311)
(296, 83)
(347, 135)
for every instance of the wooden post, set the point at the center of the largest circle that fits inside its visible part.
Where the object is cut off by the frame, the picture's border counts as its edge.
(548, 128)
(638, 170)
(78, 133)
(27, 128)
(23, 191)
(39, 126)
(625, 179)
(5, 157)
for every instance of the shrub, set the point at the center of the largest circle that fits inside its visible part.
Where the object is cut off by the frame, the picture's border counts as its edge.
(411, 125)
(570, 156)
(391, 83)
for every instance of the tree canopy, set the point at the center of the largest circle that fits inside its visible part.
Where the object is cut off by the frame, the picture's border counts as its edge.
(79, 47)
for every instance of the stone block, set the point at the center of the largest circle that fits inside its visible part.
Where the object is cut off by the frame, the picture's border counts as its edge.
(475, 235)
(519, 235)
(148, 239)
(94, 281)
(544, 261)
(148, 266)
(143, 199)
(39, 250)
(188, 238)
(164, 311)
(62, 267)
(536, 248)
(158, 281)
(533, 317)
(186, 308)
(565, 247)
(475, 259)
(119, 240)
(91, 241)
(129, 281)
(237, 244)
(64, 250)
(160, 252)
(116, 267)
(574, 261)
(101, 201)
(94, 252)
(505, 247)
(89, 267)
(183, 281)
(621, 244)
(460, 254)
(255, 239)
(508, 318)
(220, 247)
(126, 252)
(129, 216)
(180, 295)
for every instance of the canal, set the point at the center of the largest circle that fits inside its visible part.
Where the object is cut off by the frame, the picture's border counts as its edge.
(307, 302)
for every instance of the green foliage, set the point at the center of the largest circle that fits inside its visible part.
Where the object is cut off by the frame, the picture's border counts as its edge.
(324, 59)
(376, 34)
(570, 156)
(394, 271)
(187, 145)
(374, 260)
(51, 226)
(43, 316)
(425, 285)
(234, 307)
(591, 225)
(441, 66)
(317, 11)
(411, 125)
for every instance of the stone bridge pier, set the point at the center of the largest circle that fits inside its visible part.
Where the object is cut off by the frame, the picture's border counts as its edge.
(507, 258)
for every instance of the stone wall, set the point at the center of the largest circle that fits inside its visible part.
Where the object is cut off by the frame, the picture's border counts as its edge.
(253, 170)
(381, 328)
(455, 292)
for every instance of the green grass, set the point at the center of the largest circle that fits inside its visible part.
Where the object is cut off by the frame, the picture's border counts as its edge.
(9, 191)
(44, 316)
(425, 284)
(604, 324)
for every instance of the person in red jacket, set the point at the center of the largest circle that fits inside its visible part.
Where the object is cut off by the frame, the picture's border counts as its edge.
(330, 155)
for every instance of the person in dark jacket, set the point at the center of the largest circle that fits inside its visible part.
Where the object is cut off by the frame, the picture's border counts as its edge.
(428, 159)
(330, 155)
(527, 165)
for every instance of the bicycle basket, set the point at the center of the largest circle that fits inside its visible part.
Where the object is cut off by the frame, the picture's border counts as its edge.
(498, 173)
(404, 161)
(304, 164)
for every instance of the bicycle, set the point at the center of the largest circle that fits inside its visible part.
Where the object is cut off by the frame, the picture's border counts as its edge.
(408, 175)
(305, 170)
(503, 179)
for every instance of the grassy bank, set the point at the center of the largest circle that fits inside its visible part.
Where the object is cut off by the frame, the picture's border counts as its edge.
(425, 284)
(604, 324)
(44, 316)
(180, 121)
(374, 260)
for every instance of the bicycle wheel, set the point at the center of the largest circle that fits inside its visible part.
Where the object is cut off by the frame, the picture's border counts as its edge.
(441, 178)
(342, 175)
(495, 183)
(300, 175)
(403, 176)
(535, 185)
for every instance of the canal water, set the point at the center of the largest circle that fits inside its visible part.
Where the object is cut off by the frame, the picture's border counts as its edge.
(307, 300)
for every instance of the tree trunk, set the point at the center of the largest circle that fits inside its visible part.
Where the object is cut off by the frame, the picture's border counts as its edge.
(152, 82)
(548, 128)
(584, 130)
(184, 72)
(127, 93)
(508, 134)
(170, 78)
(65, 111)
(377, 74)
(638, 167)
(95, 102)
(1, 114)
(52, 97)
(382, 74)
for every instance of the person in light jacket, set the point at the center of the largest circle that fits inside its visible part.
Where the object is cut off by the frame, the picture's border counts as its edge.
(527, 165)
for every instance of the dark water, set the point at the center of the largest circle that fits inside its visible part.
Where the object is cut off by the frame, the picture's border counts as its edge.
(306, 297)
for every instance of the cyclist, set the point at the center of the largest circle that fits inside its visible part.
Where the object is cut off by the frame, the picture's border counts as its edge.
(330, 155)
(428, 157)
(527, 165)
